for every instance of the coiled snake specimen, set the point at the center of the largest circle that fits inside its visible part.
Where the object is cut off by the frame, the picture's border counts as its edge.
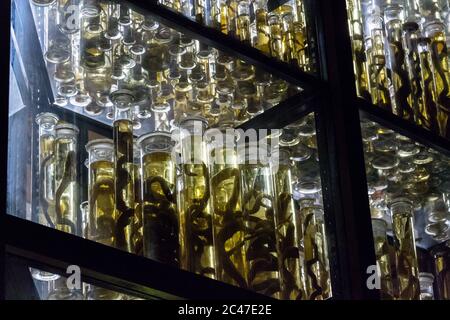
(231, 222)
(69, 176)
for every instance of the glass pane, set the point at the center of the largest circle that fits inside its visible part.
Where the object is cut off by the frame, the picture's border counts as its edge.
(409, 198)
(401, 62)
(277, 28)
(61, 288)
(121, 132)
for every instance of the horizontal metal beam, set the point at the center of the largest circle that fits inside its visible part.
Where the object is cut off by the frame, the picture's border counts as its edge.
(287, 112)
(53, 251)
(404, 127)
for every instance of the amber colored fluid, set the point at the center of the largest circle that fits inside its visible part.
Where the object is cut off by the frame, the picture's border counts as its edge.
(262, 31)
(66, 194)
(102, 216)
(439, 56)
(276, 41)
(258, 208)
(228, 221)
(243, 27)
(47, 187)
(407, 266)
(288, 234)
(428, 112)
(124, 183)
(384, 264)
(160, 218)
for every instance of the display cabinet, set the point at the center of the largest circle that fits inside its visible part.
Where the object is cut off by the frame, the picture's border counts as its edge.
(247, 149)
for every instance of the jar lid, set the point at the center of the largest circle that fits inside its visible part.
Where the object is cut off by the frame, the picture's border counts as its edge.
(122, 98)
(47, 119)
(385, 162)
(100, 144)
(67, 127)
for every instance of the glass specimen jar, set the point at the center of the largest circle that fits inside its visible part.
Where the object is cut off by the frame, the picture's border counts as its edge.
(124, 181)
(405, 248)
(66, 193)
(288, 230)
(137, 236)
(196, 238)
(258, 209)
(314, 243)
(243, 20)
(102, 216)
(262, 38)
(426, 286)
(46, 215)
(382, 248)
(47, 135)
(441, 256)
(228, 221)
(435, 30)
(160, 217)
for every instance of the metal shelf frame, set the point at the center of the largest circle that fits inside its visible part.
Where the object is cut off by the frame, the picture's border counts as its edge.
(330, 94)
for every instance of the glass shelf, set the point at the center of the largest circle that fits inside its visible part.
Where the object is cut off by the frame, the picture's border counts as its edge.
(170, 75)
(277, 29)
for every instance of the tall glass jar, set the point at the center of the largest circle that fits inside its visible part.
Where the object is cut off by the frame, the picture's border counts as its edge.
(379, 228)
(258, 209)
(66, 194)
(102, 216)
(316, 265)
(160, 218)
(47, 123)
(228, 223)
(46, 215)
(441, 256)
(124, 182)
(137, 233)
(197, 252)
(288, 230)
(438, 48)
(405, 247)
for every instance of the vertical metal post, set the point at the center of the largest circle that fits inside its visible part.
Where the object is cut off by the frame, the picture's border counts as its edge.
(347, 211)
(5, 18)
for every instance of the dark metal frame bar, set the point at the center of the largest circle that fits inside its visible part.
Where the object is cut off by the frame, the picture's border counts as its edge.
(404, 127)
(52, 250)
(347, 212)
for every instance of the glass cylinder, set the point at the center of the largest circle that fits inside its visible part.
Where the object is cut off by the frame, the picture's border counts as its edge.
(400, 99)
(47, 135)
(439, 53)
(66, 194)
(137, 236)
(358, 46)
(102, 216)
(379, 75)
(405, 248)
(441, 256)
(426, 286)
(276, 36)
(382, 248)
(228, 220)
(160, 218)
(262, 39)
(124, 182)
(197, 252)
(288, 231)
(243, 20)
(258, 209)
(429, 114)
